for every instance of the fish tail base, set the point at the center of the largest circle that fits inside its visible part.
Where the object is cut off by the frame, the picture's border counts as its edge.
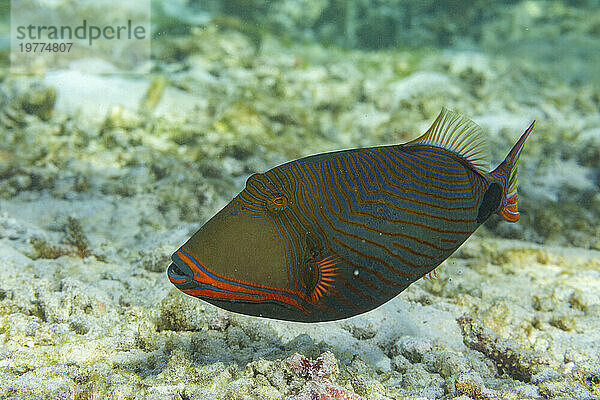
(510, 210)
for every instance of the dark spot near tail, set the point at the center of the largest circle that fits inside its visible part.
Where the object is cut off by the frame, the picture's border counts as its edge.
(490, 202)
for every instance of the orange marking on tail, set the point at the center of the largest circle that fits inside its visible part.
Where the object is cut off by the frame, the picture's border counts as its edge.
(510, 210)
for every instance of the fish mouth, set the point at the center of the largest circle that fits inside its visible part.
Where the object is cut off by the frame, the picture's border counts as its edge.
(179, 274)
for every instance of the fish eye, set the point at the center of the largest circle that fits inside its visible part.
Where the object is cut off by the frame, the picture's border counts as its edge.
(277, 203)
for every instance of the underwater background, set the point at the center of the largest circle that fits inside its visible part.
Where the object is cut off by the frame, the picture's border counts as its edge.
(104, 173)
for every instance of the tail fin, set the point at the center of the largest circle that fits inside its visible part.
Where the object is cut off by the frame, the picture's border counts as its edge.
(506, 174)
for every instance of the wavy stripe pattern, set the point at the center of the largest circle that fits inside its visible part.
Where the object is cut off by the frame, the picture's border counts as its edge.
(387, 215)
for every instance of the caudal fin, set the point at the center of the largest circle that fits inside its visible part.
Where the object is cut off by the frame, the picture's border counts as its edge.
(507, 174)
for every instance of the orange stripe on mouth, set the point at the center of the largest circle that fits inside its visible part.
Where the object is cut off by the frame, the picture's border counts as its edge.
(247, 294)
(175, 280)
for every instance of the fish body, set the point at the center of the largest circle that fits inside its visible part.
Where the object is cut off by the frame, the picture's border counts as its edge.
(335, 235)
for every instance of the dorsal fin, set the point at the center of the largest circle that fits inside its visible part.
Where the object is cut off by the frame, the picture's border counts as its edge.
(460, 135)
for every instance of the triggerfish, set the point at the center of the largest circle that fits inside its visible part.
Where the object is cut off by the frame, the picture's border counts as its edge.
(337, 234)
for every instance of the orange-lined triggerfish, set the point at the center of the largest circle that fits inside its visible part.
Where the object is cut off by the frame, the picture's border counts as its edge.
(337, 234)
